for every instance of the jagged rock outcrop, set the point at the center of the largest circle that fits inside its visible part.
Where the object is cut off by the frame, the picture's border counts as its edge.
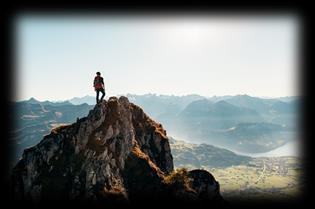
(117, 152)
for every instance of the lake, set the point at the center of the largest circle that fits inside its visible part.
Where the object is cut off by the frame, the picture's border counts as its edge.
(291, 148)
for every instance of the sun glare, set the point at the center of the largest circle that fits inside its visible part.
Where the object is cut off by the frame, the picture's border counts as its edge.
(187, 34)
(190, 33)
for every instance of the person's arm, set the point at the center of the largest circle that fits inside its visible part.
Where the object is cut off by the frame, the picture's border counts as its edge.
(102, 81)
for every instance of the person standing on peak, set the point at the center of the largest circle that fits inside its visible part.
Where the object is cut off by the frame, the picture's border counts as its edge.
(99, 86)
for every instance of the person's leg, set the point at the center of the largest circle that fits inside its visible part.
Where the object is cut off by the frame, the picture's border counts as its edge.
(103, 94)
(97, 94)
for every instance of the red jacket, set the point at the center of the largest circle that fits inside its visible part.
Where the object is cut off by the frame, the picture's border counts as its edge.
(98, 82)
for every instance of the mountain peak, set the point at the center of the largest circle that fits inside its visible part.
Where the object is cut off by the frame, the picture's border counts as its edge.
(117, 149)
(32, 100)
(222, 102)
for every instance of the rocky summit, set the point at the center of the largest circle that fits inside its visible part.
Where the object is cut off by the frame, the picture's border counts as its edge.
(116, 153)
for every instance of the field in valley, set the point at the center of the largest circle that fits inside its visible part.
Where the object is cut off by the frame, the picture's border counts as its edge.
(261, 178)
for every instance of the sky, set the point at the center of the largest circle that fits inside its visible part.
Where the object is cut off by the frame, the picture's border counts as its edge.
(56, 57)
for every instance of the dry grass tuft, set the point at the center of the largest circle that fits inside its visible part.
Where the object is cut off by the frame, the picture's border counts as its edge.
(179, 179)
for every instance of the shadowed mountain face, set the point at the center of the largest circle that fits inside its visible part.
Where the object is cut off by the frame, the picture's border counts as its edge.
(117, 153)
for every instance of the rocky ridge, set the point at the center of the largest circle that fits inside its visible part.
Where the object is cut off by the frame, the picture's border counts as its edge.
(115, 153)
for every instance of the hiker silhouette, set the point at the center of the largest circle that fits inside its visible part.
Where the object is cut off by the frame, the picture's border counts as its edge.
(99, 86)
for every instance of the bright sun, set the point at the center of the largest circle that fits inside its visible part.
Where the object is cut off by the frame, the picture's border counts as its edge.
(186, 34)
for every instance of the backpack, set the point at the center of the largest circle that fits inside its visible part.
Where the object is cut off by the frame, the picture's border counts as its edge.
(98, 82)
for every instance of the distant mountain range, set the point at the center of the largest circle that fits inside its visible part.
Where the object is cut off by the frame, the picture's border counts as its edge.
(226, 121)
(241, 123)
(83, 100)
(161, 104)
(33, 119)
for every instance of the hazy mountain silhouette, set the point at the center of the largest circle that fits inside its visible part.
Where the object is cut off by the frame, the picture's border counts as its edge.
(90, 100)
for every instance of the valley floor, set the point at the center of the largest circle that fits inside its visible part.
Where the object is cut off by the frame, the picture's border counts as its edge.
(262, 178)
